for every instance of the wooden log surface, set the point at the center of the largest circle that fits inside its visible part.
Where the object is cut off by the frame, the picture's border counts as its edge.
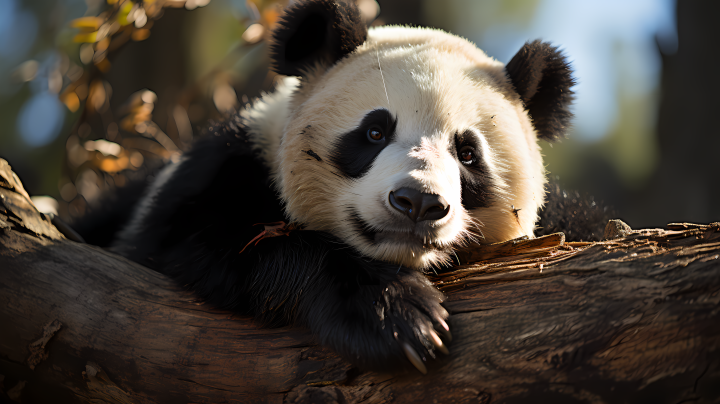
(634, 319)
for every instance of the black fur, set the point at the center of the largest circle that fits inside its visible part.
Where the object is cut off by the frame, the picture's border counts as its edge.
(316, 31)
(474, 179)
(204, 179)
(580, 217)
(543, 78)
(205, 215)
(353, 153)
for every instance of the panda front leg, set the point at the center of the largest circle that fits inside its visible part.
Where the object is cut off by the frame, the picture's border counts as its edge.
(374, 314)
(382, 324)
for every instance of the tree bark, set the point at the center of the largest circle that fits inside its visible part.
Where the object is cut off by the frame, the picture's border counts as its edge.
(633, 319)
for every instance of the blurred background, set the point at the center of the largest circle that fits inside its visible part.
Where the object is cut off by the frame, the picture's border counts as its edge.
(96, 93)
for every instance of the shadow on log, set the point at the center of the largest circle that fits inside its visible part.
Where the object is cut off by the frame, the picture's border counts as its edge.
(635, 319)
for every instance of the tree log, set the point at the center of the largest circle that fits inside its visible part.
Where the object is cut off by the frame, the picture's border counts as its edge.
(634, 319)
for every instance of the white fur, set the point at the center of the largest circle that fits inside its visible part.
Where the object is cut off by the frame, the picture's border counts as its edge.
(267, 118)
(435, 84)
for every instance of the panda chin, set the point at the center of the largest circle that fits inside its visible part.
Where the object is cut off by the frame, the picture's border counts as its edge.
(404, 248)
(408, 240)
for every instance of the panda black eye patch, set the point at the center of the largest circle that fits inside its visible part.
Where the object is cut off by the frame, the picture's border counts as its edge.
(355, 151)
(474, 177)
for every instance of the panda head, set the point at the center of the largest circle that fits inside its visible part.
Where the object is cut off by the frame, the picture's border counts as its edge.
(408, 142)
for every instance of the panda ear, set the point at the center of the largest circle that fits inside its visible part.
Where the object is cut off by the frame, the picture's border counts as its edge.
(316, 31)
(543, 78)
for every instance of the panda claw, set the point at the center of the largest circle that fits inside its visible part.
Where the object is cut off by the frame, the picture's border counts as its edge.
(414, 357)
(443, 349)
(446, 335)
(438, 342)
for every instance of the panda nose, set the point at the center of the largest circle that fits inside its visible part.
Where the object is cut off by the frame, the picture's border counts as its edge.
(419, 206)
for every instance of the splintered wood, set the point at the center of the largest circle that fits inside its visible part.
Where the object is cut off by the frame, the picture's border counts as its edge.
(18, 210)
(527, 258)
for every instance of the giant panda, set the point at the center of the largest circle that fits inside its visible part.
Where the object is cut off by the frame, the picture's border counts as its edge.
(381, 152)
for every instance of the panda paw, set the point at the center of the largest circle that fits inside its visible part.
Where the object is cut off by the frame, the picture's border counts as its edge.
(412, 317)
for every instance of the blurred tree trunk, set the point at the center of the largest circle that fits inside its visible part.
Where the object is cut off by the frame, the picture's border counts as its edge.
(688, 178)
(157, 64)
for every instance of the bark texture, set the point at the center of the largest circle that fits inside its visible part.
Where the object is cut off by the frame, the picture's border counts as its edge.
(633, 319)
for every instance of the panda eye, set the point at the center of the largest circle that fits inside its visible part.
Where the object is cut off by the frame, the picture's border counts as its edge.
(375, 134)
(467, 156)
